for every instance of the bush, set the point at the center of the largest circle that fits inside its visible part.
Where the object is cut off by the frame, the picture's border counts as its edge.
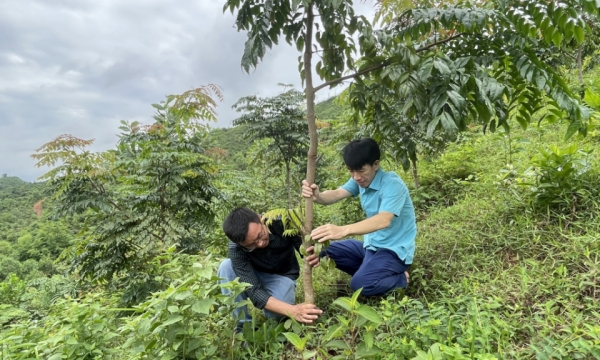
(9, 266)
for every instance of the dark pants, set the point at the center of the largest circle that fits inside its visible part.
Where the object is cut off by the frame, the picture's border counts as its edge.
(376, 272)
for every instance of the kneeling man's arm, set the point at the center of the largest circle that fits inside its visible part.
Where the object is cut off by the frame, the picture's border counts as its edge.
(304, 313)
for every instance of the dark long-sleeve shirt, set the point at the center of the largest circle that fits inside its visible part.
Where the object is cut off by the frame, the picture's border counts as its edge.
(277, 258)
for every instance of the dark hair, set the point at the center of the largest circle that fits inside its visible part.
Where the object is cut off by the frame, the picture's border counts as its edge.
(359, 153)
(236, 224)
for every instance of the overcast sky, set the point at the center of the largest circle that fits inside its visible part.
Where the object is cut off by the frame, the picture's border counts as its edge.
(79, 67)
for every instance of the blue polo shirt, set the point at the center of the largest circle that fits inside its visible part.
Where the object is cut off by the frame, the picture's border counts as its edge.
(387, 192)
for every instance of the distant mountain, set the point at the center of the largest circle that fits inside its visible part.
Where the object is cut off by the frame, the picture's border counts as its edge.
(17, 201)
(328, 110)
(231, 140)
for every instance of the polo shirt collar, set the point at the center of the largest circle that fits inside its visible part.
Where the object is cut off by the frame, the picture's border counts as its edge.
(376, 183)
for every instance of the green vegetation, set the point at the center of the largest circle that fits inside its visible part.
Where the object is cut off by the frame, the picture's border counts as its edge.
(29, 243)
(17, 199)
(504, 269)
(329, 109)
(121, 263)
(228, 144)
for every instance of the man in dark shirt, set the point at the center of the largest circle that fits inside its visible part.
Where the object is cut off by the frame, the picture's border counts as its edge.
(261, 256)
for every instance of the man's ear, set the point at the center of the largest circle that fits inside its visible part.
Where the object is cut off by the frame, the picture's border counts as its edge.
(376, 164)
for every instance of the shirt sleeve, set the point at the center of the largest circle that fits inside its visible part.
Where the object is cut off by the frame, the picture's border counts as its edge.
(242, 267)
(393, 196)
(351, 186)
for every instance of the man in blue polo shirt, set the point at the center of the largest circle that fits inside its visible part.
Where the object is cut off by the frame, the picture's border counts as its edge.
(379, 263)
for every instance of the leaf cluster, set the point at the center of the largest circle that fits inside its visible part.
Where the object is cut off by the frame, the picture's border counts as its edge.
(151, 192)
(441, 69)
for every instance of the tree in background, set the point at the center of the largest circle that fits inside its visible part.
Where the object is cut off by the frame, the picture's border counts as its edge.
(265, 22)
(444, 89)
(151, 192)
(281, 119)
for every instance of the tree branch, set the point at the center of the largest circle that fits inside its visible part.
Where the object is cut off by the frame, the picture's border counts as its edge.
(357, 74)
(427, 47)
(384, 64)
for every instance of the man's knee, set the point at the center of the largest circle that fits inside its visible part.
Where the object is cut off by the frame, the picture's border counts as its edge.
(286, 291)
(225, 271)
(369, 287)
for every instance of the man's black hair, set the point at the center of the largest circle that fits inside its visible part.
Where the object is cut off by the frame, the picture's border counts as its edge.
(359, 153)
(236, 224)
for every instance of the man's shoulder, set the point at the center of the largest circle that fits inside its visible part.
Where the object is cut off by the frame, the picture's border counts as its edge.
(390, 178)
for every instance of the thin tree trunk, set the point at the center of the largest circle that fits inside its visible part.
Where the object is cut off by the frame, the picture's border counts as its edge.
(415, 174)
(287, 185)
(580, 72)
(309, 294)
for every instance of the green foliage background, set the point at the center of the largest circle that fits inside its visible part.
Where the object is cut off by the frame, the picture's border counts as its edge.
(122, 263)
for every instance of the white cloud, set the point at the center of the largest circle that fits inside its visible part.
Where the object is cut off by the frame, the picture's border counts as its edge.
(79, 67)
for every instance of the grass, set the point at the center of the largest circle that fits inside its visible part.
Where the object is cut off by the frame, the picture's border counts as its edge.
(495, 275)
(499, 273)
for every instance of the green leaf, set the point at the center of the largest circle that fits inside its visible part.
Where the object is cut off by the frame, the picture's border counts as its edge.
(337, 344)
(335, 332)
(369, 313)
(171, 320)
(572, 129)
(203, 306)
(441, 66)
(364, 352)
(318, 247)
(182, 295)
(298, 343)
(557, 37)
(448, 123)
(579, 34)
(343, 302)
(354, 300)
(309, 354)
(368, 339)
(432, 126)
(300, 43)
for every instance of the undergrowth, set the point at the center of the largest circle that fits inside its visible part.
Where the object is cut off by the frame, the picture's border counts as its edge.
(499, 273)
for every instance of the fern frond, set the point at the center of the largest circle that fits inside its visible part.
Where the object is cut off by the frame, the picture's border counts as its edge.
(292, 220)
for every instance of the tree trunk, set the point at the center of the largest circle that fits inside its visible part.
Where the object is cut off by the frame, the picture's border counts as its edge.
(580, 72)
(415, 174)
(309, 294)
(287, 185)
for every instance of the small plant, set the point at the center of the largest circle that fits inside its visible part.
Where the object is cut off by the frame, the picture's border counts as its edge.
(354, 335)
(300, 344)
(559, 177)
(184, 320)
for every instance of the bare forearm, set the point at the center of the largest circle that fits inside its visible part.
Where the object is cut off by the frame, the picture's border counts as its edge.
(305, 313)
(327, 197)
(334, 232)
(367, 226)
(279, 307)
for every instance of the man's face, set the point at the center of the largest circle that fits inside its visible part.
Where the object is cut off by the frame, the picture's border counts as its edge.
(257, 237)
(365, 175)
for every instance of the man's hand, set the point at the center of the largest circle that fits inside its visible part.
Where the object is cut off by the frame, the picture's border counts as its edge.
(310, 191)
(305, 313)
(312, 259)
(329, 232)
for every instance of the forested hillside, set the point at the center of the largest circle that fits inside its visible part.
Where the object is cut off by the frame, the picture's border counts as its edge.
(29, 240)
(482, 109)
(505, 252)
(17, 201)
